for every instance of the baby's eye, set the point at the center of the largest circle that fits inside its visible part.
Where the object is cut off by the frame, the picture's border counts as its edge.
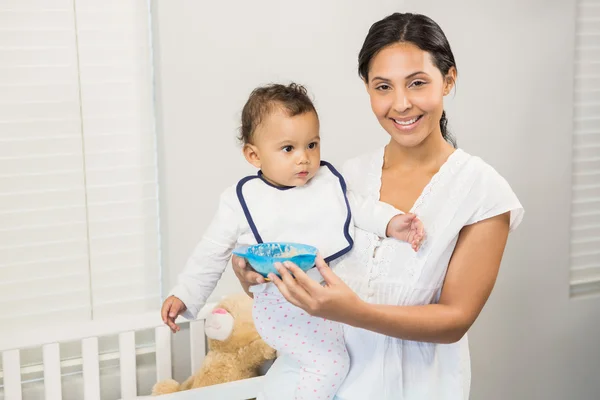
(287, 149)
(313, 145)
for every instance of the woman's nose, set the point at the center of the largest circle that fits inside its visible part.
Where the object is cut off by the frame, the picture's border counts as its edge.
(402, 102)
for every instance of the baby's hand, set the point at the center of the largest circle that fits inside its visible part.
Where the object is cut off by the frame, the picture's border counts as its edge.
(171, 309)
(408, 228)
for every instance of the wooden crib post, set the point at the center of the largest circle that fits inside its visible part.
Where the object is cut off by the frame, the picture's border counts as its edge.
(127, 364)
(91, 369)
(163, 353)
(11, 364)
(52, 382)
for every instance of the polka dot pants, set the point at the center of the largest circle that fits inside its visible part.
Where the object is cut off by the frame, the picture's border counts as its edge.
(316, 344)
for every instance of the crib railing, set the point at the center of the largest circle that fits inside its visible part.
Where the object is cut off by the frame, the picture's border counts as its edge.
(11, 345)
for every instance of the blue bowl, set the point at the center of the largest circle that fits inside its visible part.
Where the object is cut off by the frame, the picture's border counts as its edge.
(262, 256)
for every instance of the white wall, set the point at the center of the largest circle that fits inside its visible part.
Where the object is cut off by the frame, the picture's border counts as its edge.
(513, 107)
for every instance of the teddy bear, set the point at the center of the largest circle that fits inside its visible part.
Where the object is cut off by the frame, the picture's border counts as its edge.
(236, 351)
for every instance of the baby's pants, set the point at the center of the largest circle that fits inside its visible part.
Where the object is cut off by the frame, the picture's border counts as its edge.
(316, 344)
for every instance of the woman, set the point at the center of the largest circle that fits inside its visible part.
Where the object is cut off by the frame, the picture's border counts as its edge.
(408, 314)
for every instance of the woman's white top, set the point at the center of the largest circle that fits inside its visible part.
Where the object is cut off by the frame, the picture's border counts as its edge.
(464, 191)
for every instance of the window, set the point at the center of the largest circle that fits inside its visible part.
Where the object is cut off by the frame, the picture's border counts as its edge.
(585, 229)
(79, 235)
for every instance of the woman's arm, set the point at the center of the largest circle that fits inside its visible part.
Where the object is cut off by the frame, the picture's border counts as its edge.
(469, 281)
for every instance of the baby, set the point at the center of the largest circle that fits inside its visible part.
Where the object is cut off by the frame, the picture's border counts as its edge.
(294, 197)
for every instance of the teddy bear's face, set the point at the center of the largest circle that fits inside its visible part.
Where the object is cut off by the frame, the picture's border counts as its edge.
(230, 327)
(219, 324)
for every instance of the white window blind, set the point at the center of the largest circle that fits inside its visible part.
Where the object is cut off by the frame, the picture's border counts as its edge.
(115, 61)
(44, 272)
(585, 230)
(78, 189)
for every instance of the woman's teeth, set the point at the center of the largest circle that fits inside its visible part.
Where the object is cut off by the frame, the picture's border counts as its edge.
(412, 121)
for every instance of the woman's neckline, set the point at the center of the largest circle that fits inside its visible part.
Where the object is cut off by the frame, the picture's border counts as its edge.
(440, 171)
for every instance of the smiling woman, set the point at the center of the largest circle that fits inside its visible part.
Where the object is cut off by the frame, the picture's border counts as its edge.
(407, 314)
(409, 107)
(402, 66)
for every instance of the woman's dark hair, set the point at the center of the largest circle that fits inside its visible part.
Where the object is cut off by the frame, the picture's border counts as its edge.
(292, 98)
(417, 29)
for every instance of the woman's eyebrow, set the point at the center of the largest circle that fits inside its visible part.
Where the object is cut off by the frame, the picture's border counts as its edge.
(382, 79)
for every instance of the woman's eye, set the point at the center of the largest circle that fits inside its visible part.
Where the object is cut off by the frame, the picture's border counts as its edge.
(287, 149)
(417, 83)
(312, 145)
(383, 87)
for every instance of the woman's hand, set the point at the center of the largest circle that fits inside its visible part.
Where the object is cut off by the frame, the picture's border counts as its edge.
(245, 274)
(334, 301)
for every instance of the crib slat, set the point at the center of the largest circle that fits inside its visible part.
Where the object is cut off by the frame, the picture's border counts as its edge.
(91, 369)
(163, 353)
(52, 382)
(197, 344)
(11, 364)
(127, 353)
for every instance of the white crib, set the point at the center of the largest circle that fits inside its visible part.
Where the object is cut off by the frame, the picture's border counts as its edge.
(88, 334)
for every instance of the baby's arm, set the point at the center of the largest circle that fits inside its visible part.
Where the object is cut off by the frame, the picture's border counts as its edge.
(371, 215)
(210, 257)
(385, 220)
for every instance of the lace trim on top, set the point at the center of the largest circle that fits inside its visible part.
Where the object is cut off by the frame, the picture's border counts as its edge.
(380, 267)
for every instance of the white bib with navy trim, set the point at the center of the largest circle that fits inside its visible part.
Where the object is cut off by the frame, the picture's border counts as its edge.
(317, 214)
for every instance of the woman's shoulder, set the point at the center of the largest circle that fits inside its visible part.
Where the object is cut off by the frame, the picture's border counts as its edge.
(485, 173)
(492, 193)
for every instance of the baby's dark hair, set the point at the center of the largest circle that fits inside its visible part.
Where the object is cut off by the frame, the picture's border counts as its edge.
(263, 100)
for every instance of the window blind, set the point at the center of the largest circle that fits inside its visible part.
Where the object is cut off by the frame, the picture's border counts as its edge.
(44, 263)
(79, 229)
(585, 229)
(115, 60)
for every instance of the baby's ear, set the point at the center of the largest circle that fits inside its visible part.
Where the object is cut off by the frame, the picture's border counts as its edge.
(252, 155)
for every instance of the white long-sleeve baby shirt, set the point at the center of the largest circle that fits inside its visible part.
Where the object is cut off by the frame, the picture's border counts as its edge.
(322, 213)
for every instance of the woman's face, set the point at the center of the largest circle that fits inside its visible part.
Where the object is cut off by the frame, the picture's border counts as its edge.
(407, 93)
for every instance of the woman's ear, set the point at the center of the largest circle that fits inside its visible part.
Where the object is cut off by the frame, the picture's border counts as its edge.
(252, 155)
(449, 81)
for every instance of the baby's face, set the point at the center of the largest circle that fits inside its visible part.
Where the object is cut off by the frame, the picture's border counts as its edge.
(288, 148)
